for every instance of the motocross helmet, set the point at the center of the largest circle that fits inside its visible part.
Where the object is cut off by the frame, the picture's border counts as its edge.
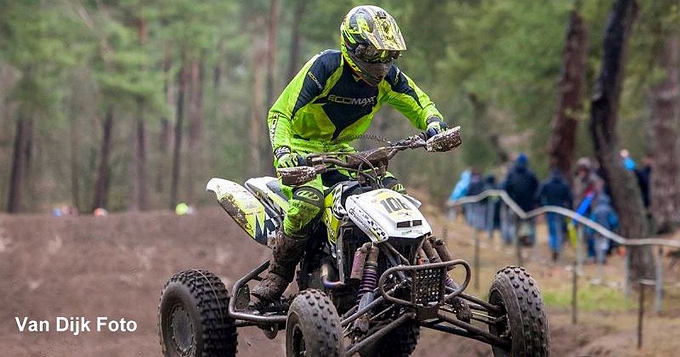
(370, 40)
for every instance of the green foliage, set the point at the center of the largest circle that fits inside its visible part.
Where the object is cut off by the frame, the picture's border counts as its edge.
(490, 66)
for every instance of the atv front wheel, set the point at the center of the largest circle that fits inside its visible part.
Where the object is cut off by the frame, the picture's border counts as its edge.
(522, 319)
(313, 327)
(193, 319)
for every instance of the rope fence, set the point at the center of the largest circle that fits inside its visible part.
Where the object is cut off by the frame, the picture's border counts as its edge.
(583, 222)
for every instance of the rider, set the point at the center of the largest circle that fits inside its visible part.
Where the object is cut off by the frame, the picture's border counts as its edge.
(330, 102)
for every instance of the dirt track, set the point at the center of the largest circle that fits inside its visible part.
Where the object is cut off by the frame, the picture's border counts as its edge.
(115, 267)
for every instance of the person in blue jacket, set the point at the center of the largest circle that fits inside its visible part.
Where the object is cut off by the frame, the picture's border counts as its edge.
(459, 190)
(555, 191)
(602, 213)
(521, 184)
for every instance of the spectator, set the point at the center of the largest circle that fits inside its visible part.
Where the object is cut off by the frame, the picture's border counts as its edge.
(643, 175)
(587, 184)
(460, 190)
(555, 191)
(521, 185)
(603, 213)
(461, 187)
(626, 160)
(493, 206)
(475, 213)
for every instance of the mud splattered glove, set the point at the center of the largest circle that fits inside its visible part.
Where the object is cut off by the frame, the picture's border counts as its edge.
(435, 126)
(286, 158)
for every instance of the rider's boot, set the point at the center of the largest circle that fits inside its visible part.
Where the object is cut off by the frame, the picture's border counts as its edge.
(286, 254)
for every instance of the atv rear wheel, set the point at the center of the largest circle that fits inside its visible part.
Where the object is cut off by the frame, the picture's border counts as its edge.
(313, 327)
(523, 318)
(193, 319)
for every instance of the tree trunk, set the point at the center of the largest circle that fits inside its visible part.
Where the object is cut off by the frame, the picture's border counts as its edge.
(665, 120)
(101, 185)
(76, 171)
(165, 139)
(258, 113)
(569, 105)
(272, 30)
(177, 148)
(20, 162)
(138, 179)
(138, 176)
(296, 37)
(195, 125)
(626, 195)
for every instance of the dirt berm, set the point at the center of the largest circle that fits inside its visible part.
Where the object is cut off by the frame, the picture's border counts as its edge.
(57, 271)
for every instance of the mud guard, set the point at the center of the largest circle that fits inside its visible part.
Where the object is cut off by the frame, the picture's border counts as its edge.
(249, 213)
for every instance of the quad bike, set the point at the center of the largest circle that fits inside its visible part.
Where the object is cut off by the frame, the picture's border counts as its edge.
(371, 277)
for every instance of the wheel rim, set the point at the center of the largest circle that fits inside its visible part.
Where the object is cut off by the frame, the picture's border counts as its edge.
(298, 341)
(499, 328)
(182, 330)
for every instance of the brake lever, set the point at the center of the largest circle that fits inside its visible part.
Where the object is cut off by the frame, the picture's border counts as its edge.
(412, 142)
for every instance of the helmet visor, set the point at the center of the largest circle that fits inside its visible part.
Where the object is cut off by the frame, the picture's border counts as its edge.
(371, 72)
(369, 54)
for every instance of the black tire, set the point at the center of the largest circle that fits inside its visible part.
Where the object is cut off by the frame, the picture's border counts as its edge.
(526, 324)
(313, 327)
(192, 317)
(399, 343)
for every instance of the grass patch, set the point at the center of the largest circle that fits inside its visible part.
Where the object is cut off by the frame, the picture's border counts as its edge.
(589, 298)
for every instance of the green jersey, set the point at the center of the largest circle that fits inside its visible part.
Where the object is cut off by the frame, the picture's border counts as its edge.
(326, 105)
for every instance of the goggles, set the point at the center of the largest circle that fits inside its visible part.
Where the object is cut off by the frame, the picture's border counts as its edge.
(370, 54)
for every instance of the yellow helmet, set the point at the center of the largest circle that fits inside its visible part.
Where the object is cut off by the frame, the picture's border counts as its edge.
(370, 40)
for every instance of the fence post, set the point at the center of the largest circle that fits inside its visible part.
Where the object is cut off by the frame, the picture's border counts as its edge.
(574, 294)
(579, 247)
(518, 246)
(626, 273)
(641, 311)
(658, 288)
(476, 263)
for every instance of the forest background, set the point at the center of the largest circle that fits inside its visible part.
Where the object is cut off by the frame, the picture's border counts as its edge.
(134, 104)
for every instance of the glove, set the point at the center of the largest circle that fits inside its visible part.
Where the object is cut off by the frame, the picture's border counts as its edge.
(286, 158)
(435, 126)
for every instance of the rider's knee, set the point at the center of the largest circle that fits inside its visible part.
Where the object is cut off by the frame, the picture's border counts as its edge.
(304, 206)
(392, 183)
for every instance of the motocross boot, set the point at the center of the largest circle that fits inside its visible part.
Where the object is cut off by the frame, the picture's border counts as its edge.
(287, 252)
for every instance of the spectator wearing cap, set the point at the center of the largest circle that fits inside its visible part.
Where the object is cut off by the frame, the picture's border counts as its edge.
(587, 184)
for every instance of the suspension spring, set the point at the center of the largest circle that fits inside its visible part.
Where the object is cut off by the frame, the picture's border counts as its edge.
(369, 280)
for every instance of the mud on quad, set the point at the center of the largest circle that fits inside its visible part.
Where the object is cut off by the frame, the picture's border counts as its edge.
(372, 276)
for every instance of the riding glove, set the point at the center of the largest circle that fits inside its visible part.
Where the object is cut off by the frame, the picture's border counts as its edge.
(286, 158)
(435, 126)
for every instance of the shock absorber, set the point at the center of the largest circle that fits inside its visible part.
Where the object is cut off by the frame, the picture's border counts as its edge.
(359, 262)
(369, 281)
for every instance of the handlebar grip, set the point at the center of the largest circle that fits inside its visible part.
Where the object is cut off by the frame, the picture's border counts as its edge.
(299, 175)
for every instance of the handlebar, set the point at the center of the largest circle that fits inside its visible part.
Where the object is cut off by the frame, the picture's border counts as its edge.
(316, 164)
